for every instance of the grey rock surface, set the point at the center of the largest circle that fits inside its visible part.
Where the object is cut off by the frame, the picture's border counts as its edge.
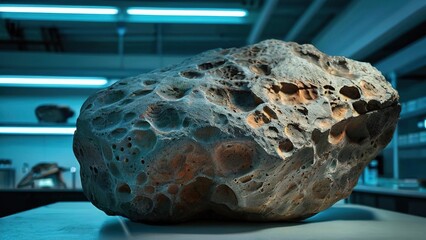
(267, 132)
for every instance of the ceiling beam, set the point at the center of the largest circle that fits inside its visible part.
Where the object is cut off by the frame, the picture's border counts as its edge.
(366, 26)
(304, 19)
(406, 60)
(263, 18)
(102, 65)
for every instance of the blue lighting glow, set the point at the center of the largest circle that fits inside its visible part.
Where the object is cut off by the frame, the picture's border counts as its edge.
(187, 12)
(38, 130)
(51, 81)
(134, 14)
(7, 8)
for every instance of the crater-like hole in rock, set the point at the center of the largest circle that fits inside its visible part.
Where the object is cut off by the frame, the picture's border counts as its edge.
(329, 87)
(118, 133)
(333, 164)
(150, 82)
(124, 188)
(341, 65)
(273, 129)
(310, 56)
(112, 119)
(141, 92)
(220, 118)
(98, 122)
(360, 106)
(245, 100)
(234, 156)
(286, 146)
(307, 54)
(109, 97)
(186, 122)
(141, 178)
(337, 132)
(210, 65)
(164, 118)
(231, 72)
(173, 92)
(356, 130)
(261, 69)
(373, 105)
(192, 74)
(303, 110)
(337, 128)
(268, 111)
(223, 194)
(207, 134)
(89, 106)
(129, 116)
(276, 88)
(144, 139)
(142, 124)
(350, 92)
(289, 88)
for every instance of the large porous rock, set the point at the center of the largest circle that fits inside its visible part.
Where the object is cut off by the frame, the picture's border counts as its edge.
(271, 131)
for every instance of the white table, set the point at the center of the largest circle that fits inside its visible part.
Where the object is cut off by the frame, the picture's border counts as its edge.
(81, 220)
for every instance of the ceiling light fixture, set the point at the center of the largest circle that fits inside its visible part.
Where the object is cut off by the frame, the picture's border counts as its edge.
(38, 130)
(52, 81)
(187, 15)
(187, 12)
(58, 13)
(134, 14)
(51, 9)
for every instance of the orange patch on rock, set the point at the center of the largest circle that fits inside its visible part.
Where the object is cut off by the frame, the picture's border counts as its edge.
(234, 156)
(189, 160)
(197, 191)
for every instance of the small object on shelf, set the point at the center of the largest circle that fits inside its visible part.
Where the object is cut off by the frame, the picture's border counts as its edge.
(422, 136)
(422, 124)
(44, 175)
(413, 139)
(7, 174)
(422, 182)
(371, 173)
(408, 183)
(25, 168)
(53, 113)
(73, 171)
(413, 108)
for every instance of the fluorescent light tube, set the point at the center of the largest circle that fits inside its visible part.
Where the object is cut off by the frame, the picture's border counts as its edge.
(51, 81)
(50, 9)
(187, 12)
(38, 130)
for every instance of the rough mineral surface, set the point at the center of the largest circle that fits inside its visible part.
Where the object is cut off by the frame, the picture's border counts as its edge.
(271, 131)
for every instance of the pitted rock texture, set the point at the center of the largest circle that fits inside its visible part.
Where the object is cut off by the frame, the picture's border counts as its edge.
(271, 131)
